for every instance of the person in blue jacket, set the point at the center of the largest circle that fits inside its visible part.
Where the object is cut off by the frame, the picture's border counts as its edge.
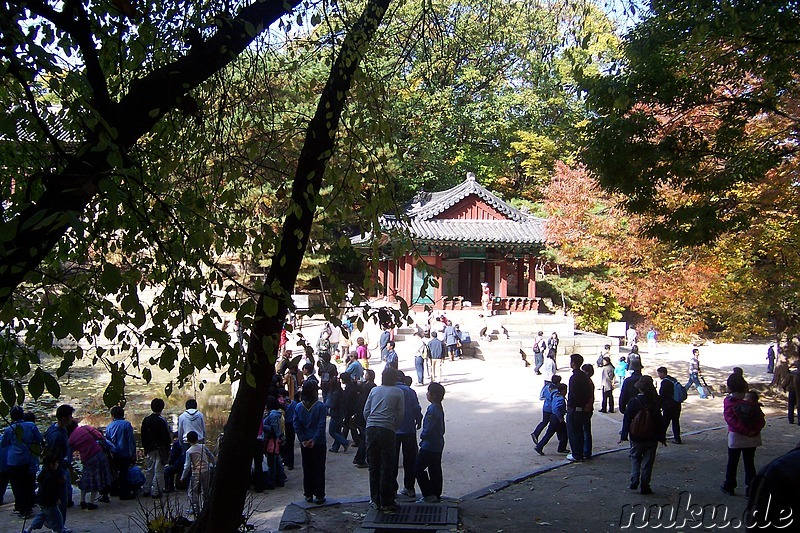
(120, 433)
(556, 425)
(57, 440)
(428, 467)
(547, 396)
(309, 426)
(21, 439)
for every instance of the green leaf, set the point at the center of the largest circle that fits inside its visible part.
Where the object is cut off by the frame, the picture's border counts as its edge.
(115, 391)
(36, 384)
(111, 278)
(51, 383)
(7, 389)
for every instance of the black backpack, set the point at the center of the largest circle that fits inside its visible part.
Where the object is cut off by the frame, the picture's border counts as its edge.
(642, 426)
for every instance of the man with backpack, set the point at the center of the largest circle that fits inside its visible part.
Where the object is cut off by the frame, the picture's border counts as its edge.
(645, 426)
(672, 394)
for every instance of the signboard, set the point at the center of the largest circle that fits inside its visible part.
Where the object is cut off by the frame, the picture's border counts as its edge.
(617, 329)
(301, 302)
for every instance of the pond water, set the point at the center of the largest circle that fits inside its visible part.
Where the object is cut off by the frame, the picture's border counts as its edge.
(83, 387)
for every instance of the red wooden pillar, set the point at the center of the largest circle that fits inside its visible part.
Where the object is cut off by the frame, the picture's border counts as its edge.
(503, 280)
(532, 284)
(406, 282)
(378, 275)
(391, 278)
(437, 291)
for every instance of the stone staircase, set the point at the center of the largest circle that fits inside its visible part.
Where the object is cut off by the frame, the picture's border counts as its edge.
(511, 335)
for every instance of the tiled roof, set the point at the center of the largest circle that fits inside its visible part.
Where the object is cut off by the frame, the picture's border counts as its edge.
(427, 205)
(527, 231)
(417, 220)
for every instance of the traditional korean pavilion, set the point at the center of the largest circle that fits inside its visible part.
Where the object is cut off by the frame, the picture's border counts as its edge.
(468, 235)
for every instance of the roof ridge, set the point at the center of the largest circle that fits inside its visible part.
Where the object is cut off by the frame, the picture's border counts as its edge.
(440, 201)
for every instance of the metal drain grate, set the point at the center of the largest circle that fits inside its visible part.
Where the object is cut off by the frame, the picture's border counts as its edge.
(414, 516)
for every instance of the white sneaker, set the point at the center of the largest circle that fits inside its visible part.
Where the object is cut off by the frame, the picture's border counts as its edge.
(409, 493)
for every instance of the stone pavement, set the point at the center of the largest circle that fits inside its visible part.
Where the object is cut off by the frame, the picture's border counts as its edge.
(594, 496)
(490, 410)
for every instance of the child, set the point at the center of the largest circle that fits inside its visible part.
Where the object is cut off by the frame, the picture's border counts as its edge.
(557, 426)
(199, 461)
(51, 486)
(621, 370)
(547, 410)
(363, 352)
(273, 437)
(175, 464)
(428, 466)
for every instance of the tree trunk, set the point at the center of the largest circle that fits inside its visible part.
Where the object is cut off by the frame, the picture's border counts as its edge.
(223, 513)
(27, 238)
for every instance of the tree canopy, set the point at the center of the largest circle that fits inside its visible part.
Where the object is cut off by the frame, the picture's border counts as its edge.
(696, 129)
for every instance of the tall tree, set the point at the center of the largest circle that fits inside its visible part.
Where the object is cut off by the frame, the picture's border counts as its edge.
(699, 117)
(97, 168)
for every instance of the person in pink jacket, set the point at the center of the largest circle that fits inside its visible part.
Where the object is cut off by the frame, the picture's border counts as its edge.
(96, 476)
(745, 421)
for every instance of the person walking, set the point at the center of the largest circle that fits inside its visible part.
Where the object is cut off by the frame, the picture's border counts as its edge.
(695, 373)
(51, 486)
(670, 405)
(156, 441)
(652, 340)
(771, 359)
(745, 420)
(579, 406)
(645, 427)
(436, 350)
(338, 412)
(607, 385)
(309, 426)
(546, 396)
(428, 465)
(556, 425)
(120, 433)
(383, 412)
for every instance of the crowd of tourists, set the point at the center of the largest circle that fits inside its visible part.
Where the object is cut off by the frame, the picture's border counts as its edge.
(311, 400)
(648, 414)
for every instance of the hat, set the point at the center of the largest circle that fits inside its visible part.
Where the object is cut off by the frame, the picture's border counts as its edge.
(645, 383)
